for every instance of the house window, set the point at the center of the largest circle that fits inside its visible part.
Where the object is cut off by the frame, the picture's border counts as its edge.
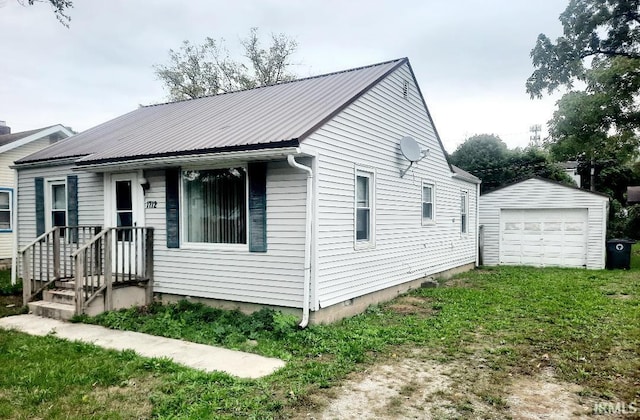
(215, 203)
(57, 208)
(6, 208)
(463, 211)
(364, 205)
(427, 203)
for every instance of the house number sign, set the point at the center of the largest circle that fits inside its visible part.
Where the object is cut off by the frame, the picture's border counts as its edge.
(152, 204)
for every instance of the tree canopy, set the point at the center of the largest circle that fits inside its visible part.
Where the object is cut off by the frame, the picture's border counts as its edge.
(60, 8)
(488, 157)
(199, 70)
(591, 29)
(599, 53)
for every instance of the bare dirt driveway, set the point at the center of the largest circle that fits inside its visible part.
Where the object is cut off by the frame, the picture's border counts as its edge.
(421, 388)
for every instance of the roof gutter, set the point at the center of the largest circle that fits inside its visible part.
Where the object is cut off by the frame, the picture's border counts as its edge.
(307, 239)
(164, 161)
(47, 163)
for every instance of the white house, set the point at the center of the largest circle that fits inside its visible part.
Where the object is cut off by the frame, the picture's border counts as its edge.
(544, 223)
(289, 196)
(14, 146)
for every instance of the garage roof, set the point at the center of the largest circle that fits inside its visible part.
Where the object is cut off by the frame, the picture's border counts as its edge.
(549, 181)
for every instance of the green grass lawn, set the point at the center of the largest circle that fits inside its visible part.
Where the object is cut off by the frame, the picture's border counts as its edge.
(584, 324)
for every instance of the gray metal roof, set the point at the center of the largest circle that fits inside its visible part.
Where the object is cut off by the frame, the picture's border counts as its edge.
(464, 174)
(271, 116)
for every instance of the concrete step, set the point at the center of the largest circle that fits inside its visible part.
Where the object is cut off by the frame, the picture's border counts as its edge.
(52, 310)
(66, 296)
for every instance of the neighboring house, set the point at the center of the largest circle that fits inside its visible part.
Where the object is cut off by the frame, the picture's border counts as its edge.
(288, 195)
(14, 146)
(544, 223)
(571, 168)
(633, 195)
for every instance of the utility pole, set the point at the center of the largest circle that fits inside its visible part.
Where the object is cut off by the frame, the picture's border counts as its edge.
(534, 137)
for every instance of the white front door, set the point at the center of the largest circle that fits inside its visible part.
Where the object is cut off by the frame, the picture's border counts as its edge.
(127, 212)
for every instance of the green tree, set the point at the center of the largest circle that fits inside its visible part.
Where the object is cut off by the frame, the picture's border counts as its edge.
(199, 70)
(488, 157)
(60, 8)
(591, 29)
(600, 51)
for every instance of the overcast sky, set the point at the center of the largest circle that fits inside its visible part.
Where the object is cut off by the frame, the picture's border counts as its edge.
(471, 58)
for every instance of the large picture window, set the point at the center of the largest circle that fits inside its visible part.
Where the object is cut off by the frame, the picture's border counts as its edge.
(215, 203)
(6, 209)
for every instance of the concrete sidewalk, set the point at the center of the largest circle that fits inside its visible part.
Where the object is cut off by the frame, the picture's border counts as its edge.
(197, 356)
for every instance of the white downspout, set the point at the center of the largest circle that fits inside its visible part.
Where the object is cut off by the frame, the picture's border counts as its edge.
(307, 238)
(478, 225)
(14, 226)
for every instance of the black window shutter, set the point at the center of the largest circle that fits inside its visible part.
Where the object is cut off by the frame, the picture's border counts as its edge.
(39, 184)
(172, 189)
(72, 205)
(258, 207)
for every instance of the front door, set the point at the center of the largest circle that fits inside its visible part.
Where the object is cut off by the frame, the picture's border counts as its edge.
(126, 213)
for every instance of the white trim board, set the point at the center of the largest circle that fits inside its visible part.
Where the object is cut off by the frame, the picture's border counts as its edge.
(37, 136)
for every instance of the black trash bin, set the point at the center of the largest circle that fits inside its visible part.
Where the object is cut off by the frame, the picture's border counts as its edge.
(619, 253)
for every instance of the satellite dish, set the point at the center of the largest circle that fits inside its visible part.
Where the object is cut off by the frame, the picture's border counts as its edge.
(411, 151)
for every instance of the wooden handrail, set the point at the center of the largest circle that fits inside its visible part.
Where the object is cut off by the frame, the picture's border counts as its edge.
(38, 239)
(91, 241)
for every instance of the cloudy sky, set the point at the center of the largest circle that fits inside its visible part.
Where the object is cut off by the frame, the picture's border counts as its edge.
(471, 58)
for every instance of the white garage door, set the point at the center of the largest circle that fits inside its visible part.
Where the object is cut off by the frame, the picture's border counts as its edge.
(550, 237)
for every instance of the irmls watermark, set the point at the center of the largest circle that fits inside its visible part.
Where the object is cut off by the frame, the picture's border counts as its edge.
(605, 408)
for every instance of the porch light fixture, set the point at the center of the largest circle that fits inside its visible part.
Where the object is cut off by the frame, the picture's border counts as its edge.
(144, 183)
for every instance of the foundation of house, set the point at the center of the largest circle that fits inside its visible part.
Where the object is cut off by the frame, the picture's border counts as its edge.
(331, 313)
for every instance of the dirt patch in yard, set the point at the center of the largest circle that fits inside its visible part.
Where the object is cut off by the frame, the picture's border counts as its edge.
(408, 305)
(544, 398)
(415, 388)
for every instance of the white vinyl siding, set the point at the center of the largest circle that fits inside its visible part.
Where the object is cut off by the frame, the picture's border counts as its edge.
(274, 277)
(90, 198)
(367, 134)
(535, 195)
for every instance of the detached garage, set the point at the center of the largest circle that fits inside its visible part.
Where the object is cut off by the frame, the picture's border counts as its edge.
(542, 223)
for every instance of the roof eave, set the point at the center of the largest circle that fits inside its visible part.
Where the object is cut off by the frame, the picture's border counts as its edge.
(151, 162)
(466, 179)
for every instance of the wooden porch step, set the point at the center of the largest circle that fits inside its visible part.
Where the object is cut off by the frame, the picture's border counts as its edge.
(52, 310)
(65, 284)
(66, 296)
